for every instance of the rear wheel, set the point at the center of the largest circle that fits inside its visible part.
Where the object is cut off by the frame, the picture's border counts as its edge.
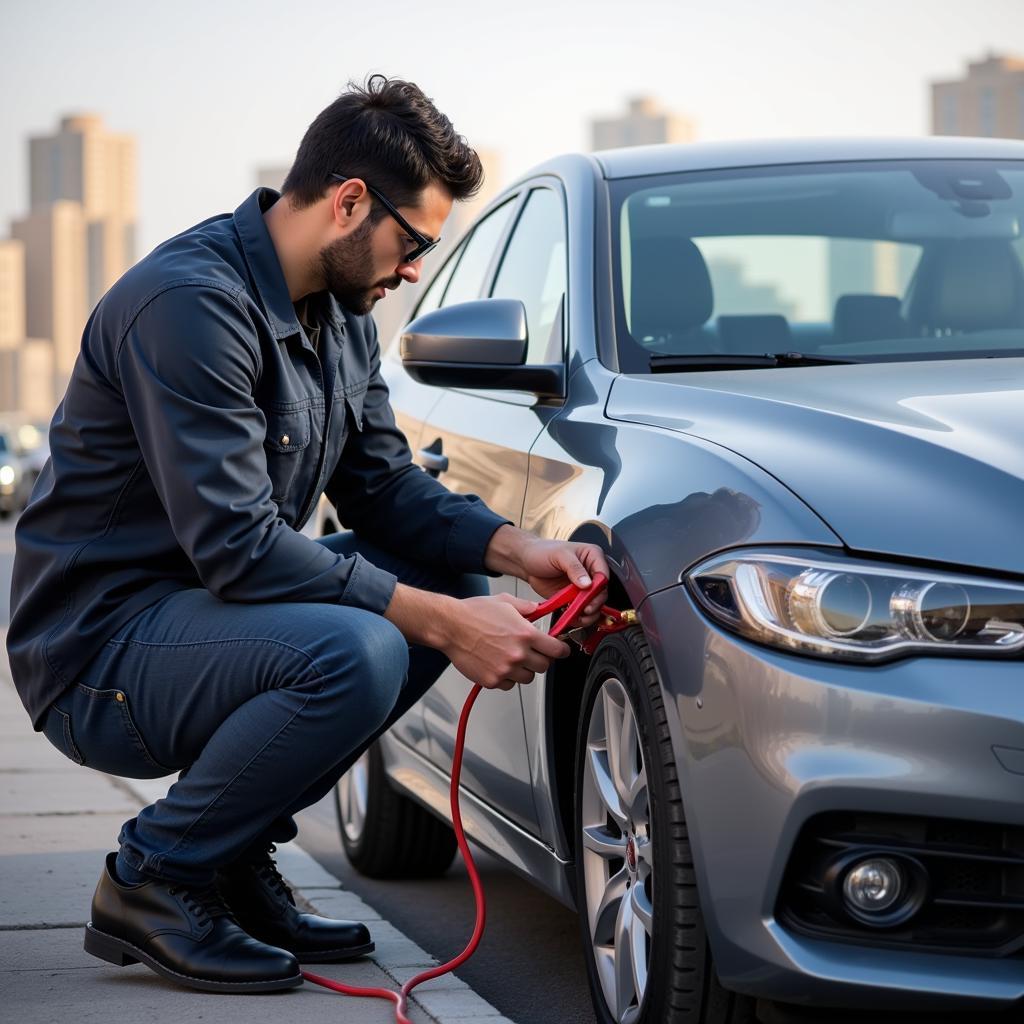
(644, 942)
(385, 834)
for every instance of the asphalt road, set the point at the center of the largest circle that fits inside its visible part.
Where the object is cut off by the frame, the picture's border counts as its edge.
(529, 965)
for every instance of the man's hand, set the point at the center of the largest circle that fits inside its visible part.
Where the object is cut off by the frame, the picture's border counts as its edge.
(491, 643)
(485, 638)
(549, 565)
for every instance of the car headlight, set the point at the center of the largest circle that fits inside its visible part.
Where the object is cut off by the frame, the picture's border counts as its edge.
(6, 475)
(860, 611)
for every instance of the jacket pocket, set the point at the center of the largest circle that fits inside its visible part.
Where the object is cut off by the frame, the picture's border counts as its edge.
(355, 405)
(288, 435)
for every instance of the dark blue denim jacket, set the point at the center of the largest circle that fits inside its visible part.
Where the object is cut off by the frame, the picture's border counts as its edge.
(198, 430)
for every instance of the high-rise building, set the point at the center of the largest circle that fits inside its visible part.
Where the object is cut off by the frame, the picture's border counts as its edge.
(645, 123)
(26, 379)
(12, 294)
(988, 101)
(54, 238)
(76, 240)
(95, 168)
(26, 364)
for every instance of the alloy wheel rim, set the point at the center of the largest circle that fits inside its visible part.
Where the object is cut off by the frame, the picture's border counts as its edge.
(618, 855)
(353, 787)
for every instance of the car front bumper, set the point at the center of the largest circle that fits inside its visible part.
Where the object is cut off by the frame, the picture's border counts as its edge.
(765, 741)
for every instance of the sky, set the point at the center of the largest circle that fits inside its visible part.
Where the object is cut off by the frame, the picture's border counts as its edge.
(214, 89)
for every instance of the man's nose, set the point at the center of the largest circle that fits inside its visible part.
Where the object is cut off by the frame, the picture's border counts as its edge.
(409, 272)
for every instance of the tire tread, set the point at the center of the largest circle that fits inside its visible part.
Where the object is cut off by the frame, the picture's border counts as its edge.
(400, 838)
(691, 992)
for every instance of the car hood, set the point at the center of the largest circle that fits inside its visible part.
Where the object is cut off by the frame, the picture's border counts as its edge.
(921, 460)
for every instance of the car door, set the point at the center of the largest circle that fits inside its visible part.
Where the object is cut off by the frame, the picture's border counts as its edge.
(411, 401)
(485, 438)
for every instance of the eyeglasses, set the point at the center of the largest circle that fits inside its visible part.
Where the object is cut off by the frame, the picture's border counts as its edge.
(423, 243)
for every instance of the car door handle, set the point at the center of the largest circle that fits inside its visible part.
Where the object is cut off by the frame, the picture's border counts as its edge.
(433, 461)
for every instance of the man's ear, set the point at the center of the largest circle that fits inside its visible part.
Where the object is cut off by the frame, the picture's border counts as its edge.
(346, 198)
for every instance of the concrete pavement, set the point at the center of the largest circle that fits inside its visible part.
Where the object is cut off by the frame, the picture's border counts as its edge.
(58, 821)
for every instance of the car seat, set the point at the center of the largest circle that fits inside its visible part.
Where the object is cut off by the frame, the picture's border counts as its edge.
(967, 286)
(860, 318)
(670, 292)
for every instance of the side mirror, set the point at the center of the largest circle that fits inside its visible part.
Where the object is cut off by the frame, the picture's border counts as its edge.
(479, 344)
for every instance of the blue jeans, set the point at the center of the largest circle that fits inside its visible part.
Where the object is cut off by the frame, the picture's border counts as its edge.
(262, 707)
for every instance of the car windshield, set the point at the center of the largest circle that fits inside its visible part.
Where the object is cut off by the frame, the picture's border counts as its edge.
(817, 264)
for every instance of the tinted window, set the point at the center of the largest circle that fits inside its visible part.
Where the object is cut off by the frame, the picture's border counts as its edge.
(533, 271)
(887, 259)
(469, 275)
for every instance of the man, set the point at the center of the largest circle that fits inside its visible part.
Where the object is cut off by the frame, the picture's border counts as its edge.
(167, 615)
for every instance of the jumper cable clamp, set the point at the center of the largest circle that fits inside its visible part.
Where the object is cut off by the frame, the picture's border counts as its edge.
(575, 598)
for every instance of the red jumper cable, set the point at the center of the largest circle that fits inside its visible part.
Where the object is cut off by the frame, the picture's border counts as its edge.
(573, 598)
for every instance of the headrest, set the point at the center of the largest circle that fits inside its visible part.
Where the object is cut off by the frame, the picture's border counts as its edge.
(868, 318)
(671, 289)
(768, 332)
(972, 285)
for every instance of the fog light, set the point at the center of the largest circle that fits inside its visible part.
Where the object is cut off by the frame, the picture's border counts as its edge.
(873, 886)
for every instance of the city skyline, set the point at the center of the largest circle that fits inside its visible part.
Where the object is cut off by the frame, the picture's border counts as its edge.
(78, 226)
(203, 122)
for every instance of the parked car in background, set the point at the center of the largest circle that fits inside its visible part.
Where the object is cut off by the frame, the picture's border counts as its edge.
(16, 478)
(34, 444)
(782, 385)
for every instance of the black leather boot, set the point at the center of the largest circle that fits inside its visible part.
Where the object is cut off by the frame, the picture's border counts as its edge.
(262, 903)
(186, 935)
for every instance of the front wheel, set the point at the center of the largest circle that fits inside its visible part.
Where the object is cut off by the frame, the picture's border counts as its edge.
(385, 834)
(645, 947)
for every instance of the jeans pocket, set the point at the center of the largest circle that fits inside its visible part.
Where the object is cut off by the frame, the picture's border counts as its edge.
(108, 738)
(57, 729)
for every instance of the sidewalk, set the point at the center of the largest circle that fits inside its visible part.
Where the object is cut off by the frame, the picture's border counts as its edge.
(58, 821)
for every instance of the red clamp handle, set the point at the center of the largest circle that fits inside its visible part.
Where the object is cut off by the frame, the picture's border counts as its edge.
(576, 598)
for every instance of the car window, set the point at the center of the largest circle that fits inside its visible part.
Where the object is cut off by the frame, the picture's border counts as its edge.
(468, 278)
(872, 260)
(533, 271)
(431, 299)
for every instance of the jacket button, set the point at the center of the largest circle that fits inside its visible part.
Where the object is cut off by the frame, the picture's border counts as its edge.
(285, 439)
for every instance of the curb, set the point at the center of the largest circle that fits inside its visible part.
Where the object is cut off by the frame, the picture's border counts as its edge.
(447, 1000)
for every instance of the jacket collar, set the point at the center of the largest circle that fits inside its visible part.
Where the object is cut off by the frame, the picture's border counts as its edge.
(263, 262)
(266, 271)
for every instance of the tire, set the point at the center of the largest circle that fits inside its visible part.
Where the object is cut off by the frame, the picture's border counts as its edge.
(385, 834)
(629, 844)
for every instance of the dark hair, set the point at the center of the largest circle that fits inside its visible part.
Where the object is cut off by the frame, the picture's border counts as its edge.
(391, 135)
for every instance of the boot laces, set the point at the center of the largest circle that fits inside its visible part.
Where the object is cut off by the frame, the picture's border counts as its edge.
(205, 904)
(267, 870)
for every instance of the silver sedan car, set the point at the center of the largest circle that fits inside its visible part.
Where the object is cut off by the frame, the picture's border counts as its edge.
(782, 385)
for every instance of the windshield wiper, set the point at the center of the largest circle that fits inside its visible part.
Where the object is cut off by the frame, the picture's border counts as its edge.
(673, 363)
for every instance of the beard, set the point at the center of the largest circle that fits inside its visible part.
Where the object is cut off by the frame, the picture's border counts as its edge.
(347, 268)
